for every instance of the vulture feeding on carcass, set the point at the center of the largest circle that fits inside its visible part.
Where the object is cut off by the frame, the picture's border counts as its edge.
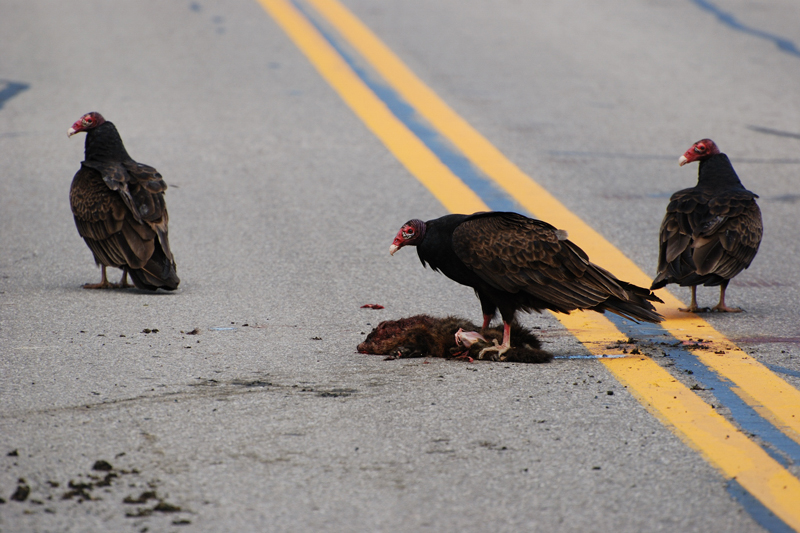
(119, 208)
(515, 263)
(711, 232)
(451, 338)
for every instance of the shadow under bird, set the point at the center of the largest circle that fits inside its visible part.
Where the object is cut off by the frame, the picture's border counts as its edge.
(120, 211)
(711, 231)
(515, 263)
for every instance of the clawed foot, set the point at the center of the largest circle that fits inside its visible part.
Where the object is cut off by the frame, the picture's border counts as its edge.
(498, 350)
(721, 308)
(694, 309)
(105, 284)
(102, 285)
(715, 309)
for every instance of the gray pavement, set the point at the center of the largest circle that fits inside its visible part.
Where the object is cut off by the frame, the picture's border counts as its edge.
(282, 208)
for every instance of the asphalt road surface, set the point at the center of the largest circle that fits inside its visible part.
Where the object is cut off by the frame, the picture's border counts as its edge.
(283, 205)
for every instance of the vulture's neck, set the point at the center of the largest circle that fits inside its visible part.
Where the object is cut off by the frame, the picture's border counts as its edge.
(103, 143)
(717, 172)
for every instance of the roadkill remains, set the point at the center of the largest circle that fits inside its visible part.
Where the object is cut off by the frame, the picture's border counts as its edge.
(451, 338)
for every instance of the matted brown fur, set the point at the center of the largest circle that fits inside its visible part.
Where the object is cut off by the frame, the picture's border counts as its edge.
(427, 336)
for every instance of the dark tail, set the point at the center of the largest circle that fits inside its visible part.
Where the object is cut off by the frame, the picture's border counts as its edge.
(637, 307)
(158, 273)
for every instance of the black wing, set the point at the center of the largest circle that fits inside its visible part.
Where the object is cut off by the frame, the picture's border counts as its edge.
(142, 189)
(517, 254)
(708, 236)
(129, 227)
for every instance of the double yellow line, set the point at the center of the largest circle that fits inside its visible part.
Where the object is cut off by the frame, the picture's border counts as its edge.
(696, 422)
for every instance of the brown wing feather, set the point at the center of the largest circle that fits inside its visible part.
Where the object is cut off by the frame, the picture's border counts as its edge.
(99, 214)
(729, 243)
(518, 254)
(704, 234)
(118, 214)
(676, 228)
(140, 186)
(142, 189)
(148, 197)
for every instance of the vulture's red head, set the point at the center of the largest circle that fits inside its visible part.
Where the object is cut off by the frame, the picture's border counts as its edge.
(411, 233)
(86, 122)
(699, 151)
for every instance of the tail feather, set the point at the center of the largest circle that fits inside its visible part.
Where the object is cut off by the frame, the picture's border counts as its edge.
(637, 307)
(158, 273)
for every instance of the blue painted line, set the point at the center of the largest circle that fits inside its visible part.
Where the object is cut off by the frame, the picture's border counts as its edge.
(785, 45)
(11, 90)
(459, 165)
(783, 370)
(497, 200)
(765, 518)
(781, 448)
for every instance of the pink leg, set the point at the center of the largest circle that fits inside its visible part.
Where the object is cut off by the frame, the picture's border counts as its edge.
(123, 283)
(499, 349)
(486, 320)
(104, 283)
(721, 307)
(692, 306)
(506, 336)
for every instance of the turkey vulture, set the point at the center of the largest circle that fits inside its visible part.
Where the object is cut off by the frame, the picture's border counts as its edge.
(711, 232)
(119, 208)
(427, 336)
(515, 263)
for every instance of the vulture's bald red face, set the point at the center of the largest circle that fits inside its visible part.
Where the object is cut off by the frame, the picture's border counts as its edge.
(86, 122)
(699, 151)
(410, 234)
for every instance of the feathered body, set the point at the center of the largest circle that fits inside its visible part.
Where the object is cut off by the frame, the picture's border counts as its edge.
(120, 211)
(515, 263)
(711, 232)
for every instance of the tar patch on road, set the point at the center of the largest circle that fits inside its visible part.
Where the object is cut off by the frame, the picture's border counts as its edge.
(100, 490)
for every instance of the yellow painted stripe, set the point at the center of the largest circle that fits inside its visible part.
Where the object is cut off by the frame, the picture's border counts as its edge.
(475, 146)
(697, 423)
(400, 141)
(772, 396)
(716, 439)
(701, 427)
